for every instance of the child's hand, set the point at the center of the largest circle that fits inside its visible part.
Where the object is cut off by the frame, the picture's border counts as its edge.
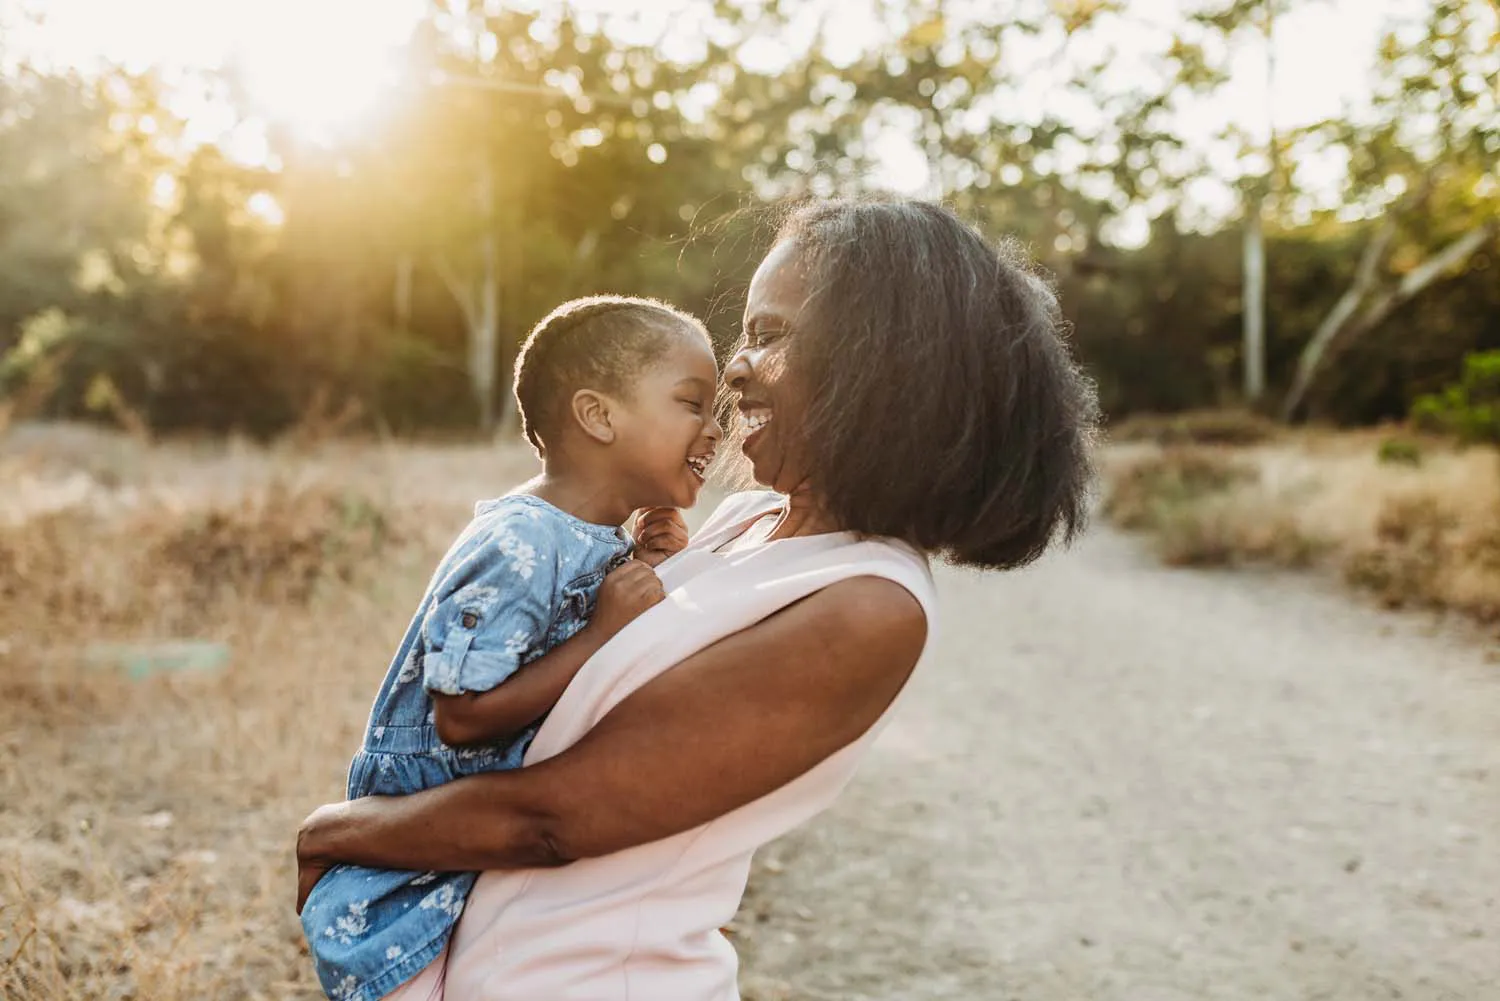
(659, 532)
(626, 592)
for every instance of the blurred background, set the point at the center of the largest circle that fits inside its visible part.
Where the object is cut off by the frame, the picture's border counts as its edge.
(264, 268)
(217, 213)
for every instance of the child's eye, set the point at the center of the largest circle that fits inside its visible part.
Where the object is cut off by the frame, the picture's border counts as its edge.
(695, 404)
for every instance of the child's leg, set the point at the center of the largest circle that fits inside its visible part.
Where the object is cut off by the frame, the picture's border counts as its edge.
(369, 930)
(425, 986)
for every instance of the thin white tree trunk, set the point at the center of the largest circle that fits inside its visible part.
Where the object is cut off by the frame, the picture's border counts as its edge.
(1254, 303)
(479, 300)
(401, 299)
(1343, 311)
(485, 341)
(1254, 291)
(1341, 324)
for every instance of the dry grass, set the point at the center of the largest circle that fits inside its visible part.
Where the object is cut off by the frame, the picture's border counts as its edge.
(1228, 428)
(1424, 530)
(146, 825)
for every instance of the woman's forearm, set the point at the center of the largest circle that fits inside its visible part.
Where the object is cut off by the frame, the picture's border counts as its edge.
(481, 822)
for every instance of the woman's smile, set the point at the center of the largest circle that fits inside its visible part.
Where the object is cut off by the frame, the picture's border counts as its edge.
(753, 419)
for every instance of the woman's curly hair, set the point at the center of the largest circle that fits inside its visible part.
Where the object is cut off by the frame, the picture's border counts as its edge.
(945, 407)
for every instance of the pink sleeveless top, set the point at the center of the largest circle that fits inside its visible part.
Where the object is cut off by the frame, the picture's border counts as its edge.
(643, 924)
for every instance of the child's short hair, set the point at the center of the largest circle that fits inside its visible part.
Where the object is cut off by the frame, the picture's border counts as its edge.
(599, 342)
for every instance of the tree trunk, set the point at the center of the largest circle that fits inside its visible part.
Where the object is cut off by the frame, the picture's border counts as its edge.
(1254, 294)
(1341, 324)
(486, 333)
(401, 300)
(479, 299)
(1343, 311)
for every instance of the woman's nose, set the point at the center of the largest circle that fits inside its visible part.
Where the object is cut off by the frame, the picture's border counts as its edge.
(737, 371)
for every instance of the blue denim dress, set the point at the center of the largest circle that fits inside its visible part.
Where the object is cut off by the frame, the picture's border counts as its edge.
(521, 579)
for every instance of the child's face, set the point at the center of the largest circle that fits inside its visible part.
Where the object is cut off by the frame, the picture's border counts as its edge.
(666, 427)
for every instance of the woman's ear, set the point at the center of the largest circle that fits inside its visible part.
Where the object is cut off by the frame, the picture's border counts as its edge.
(591, 411)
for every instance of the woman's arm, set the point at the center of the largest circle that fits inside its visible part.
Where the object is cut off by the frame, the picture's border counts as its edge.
(725, 727)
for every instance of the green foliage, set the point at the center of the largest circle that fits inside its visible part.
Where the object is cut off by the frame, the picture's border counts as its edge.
(40, 337)
(1399, 452)
(1469, 409)
(562, 160)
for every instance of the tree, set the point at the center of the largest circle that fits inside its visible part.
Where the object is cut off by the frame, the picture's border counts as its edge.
(1436, 136)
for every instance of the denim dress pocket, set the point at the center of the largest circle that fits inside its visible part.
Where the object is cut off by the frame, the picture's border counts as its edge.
(575, 606)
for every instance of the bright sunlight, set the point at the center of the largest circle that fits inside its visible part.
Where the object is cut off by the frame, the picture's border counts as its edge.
(316, 66)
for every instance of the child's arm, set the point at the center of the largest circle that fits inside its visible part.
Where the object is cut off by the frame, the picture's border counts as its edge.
(494, 715)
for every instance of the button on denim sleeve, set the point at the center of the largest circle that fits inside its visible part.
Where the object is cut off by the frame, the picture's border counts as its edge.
(492, 609)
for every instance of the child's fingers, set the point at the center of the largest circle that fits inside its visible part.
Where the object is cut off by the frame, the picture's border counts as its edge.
(654, 518)
(662, 533)
(667, 544)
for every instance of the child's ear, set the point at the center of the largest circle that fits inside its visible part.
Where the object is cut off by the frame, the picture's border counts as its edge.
(591, 411)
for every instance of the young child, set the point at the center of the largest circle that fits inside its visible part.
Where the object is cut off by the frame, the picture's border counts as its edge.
(616, 396)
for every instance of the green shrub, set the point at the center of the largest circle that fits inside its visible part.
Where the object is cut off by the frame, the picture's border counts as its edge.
(1470, 409)
(1399, 452)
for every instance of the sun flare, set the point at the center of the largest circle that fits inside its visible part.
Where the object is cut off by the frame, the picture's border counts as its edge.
(316, 66)
(320, 67)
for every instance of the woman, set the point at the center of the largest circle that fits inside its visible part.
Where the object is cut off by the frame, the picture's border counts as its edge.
(904, 391)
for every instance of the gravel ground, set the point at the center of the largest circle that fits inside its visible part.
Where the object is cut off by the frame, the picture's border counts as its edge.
(1119, 782)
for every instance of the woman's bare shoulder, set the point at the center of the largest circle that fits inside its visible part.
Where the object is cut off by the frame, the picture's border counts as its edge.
(877, 615)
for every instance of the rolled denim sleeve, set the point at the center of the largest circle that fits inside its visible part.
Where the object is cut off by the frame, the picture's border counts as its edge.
(492, 609)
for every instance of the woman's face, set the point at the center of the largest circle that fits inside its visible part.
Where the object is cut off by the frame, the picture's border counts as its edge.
(771, 401)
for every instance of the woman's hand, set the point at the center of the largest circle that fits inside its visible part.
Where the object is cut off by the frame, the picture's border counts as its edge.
(660, 532)
(311, 865)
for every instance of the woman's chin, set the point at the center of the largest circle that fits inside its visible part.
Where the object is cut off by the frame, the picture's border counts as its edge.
(763, 475)
(761, 470)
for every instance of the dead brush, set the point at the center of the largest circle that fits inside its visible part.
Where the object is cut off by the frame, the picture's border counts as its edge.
(1425, 554)
(274, 545)
(1234, 530)
(1225, 428)
(1424, 535)
(161, 568)
(1151, 491)
(146, 822)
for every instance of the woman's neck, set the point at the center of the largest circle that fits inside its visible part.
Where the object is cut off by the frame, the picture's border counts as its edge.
(584, 497)
(804, 515)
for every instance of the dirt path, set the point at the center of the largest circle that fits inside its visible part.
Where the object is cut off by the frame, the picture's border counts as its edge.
(1117, 782)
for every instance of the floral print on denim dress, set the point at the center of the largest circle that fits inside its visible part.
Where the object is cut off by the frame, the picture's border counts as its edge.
(522, 578)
